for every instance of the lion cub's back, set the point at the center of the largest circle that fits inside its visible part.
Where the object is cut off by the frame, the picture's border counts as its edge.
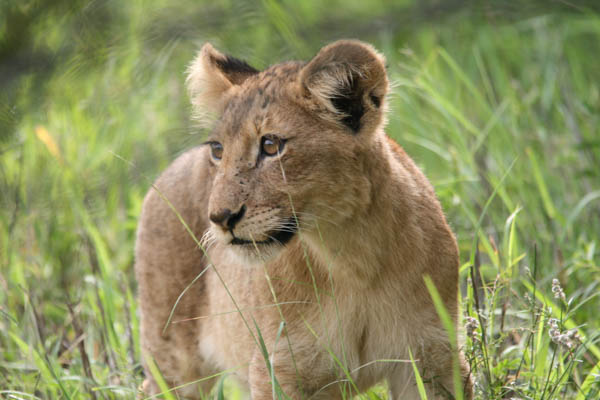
(167, 257)
(183, 187)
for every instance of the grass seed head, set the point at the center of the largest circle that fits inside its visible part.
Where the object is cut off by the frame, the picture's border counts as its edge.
(557, 290)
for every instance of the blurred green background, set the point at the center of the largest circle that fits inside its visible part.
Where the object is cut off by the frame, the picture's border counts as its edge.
(497, 101)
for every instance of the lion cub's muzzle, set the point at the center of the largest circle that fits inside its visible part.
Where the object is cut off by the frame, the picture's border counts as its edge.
(227, 220)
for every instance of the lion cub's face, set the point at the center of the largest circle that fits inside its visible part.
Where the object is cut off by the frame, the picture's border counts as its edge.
(288, 147)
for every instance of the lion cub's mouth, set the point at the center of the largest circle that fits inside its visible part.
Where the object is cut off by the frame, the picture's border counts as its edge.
(277, 236)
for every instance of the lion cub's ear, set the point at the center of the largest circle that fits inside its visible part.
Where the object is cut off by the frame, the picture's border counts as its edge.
(211, 76)
(348, 78)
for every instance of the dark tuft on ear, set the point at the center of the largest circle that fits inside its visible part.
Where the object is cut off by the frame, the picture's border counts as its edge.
(231, 65)
(212, 76)
(348, 79)
(349, 102)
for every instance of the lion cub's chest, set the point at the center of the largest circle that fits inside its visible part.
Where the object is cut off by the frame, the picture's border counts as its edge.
(366, 333)
(361, 327)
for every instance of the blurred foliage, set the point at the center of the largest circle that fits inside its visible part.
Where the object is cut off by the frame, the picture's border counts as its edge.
(498, 101)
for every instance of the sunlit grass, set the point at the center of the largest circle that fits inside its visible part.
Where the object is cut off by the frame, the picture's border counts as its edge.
(504, 119)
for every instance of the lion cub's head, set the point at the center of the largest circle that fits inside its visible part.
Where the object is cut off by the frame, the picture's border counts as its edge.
(289, 145)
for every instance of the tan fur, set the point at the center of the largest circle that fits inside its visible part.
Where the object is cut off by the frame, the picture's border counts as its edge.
(349, 284)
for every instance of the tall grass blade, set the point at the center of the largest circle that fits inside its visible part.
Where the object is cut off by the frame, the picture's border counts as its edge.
(420, 385)
(541, 184)
(592, 379)
(159, 379)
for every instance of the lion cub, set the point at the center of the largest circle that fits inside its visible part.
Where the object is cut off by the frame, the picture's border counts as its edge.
(316, 233)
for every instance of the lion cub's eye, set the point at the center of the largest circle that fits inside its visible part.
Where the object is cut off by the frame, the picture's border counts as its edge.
(216, 150)
(271, 145)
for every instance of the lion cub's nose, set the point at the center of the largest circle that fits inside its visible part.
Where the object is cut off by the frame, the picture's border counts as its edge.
(226, 219)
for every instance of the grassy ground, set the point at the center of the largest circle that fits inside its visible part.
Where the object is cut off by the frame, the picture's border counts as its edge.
(503, 116)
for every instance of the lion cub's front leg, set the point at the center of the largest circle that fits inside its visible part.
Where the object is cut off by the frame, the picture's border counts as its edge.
(435, 363)
(309, 374)
(260, 382)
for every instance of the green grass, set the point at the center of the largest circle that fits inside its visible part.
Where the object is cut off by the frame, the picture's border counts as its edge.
(503, 117)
